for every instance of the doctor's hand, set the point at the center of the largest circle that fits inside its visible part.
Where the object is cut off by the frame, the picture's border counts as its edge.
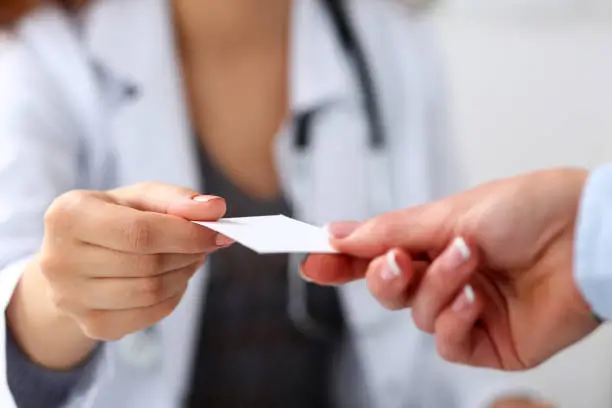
(119, 261)
(488, 271)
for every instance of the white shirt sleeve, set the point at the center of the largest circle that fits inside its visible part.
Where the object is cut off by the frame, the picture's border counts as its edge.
(593, 246)
(40, 158)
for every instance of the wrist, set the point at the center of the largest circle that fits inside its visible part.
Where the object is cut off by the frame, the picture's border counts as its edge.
(590, 320)
(45, 334)
(598, 319)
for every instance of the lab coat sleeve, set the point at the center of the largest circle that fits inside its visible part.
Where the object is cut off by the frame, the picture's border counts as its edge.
(40, 158)
(593, 245)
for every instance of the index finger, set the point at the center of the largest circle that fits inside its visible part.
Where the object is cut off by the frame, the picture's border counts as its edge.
(418, 230)
(333, 269)
(103, 223)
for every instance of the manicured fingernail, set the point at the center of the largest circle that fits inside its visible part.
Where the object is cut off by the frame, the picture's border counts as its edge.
(303, 275)
(223, 241)
(465, 299)
(306, 278)
(457, 254)
(340, 230)
(391, 269)
(204, 198)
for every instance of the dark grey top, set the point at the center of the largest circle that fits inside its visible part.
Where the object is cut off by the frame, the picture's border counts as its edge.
(33, 386)
(249, 352)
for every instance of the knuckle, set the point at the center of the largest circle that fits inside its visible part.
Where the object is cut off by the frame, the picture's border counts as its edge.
(385, 226)
(445, 350)
(148, 185)
(166, 308)
(388, 299)
(375, 289)
(64, 207)
(89, 331)
(389, 221)
(90, 325)
(153, 187)
(150, 290)
(421, 322)
(51, 265)
(187, 273)
(148, 265)
(61, 300)
(386, 221)
(139, 234)
(393, 306)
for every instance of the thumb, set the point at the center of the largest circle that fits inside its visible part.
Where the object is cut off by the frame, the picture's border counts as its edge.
(416, 230)
(168, 199)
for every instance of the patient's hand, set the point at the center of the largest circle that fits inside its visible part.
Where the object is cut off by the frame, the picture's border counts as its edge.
(519, 402)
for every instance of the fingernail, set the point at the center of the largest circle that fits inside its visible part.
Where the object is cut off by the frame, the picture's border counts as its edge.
(458, 253)
(306, 278)
(391, 269)
(204, 198)
(303, 275)
(223, 241)
(340, 230)
(465, 299)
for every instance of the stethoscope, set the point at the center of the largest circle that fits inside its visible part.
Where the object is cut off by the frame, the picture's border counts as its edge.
(144, 348)
(297, 305)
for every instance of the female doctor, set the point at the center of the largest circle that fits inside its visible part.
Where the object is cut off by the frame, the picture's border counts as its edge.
(321, 110)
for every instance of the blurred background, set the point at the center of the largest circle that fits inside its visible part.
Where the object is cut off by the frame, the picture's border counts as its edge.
(531, 86)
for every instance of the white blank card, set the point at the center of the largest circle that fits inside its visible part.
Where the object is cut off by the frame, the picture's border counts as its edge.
(273, 234)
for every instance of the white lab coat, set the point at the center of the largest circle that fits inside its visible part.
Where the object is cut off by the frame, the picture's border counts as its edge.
(64, 124)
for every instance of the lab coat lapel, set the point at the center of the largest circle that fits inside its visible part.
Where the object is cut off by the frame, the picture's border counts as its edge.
(135, 48)
(324, 180)
(329, 181)
(152, 135)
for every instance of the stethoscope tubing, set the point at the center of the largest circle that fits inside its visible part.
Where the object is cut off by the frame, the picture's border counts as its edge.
(380, 198)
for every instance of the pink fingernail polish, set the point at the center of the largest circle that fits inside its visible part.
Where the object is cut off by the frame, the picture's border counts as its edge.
(223, 241)
(303, 275)
(306, 278)
(464, 300)
(204, 198)
(340, 230)
(391, 268)
(458, 253)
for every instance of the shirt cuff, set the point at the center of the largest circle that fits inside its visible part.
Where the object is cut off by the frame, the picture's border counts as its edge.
(34, 386)
(593, 246)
